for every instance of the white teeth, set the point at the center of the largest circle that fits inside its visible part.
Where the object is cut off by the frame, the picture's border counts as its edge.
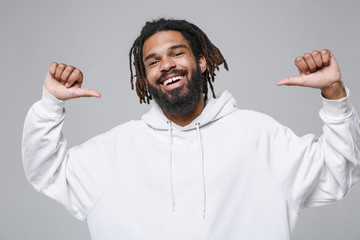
(170, 80)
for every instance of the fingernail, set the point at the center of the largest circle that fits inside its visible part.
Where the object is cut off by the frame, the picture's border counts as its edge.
(67, 85)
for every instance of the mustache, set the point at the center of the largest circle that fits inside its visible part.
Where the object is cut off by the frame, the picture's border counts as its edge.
(165, 74)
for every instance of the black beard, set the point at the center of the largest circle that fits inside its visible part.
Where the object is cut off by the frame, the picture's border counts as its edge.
(183, 100)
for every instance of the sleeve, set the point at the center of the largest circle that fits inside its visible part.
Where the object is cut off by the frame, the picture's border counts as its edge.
(311, 170)
(75, 177)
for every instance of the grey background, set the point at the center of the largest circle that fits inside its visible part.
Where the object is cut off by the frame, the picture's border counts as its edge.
(259, 39)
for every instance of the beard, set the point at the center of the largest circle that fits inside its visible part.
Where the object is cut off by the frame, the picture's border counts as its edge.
(182, 100)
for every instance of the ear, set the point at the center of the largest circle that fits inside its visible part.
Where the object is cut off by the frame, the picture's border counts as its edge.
(202, 63)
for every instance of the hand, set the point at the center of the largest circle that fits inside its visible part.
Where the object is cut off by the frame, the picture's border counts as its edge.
(64, 82)
(318, 70)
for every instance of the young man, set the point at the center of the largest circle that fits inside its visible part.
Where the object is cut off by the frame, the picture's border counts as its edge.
(186, 182)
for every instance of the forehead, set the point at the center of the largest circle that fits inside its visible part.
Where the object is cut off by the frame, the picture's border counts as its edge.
(162, 41)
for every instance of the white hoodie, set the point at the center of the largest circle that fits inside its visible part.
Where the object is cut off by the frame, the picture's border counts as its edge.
(230, 174)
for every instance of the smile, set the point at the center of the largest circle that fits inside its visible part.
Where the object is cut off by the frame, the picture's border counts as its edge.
(172, 80)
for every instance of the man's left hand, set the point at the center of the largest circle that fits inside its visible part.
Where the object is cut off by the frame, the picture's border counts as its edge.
(318, 70)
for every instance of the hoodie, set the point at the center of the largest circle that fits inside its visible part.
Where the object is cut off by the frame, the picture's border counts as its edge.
(229, 174)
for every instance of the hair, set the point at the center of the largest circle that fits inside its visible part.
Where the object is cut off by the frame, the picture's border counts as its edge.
(200, 46)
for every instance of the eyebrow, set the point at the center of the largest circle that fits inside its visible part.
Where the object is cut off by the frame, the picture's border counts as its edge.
(170, 48)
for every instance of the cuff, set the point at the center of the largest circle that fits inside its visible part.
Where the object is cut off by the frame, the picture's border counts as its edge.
(51, 104)
(337, 109)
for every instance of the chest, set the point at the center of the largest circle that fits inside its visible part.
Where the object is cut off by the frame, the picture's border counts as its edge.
(192, 170)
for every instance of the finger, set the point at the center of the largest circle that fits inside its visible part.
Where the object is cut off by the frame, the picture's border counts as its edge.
(310, 62)
(301, 65)
(325, 55)
(66, 74)
(59, 70)
(80, 92)
(76, 76)
(317, 59)
(291, 81)
(52, 68)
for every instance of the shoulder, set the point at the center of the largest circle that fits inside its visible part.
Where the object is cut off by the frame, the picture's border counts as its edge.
(124, 128)
(112, 138)
(251, 125)
(250, 118)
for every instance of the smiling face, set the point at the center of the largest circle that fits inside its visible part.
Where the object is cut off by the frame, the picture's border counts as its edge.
(173, 74)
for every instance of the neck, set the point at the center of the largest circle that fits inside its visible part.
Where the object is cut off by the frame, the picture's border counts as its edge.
(185, 119)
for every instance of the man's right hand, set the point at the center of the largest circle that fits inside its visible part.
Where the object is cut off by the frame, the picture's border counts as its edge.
(64, 82)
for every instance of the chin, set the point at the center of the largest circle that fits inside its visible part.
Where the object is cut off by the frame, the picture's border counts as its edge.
(182, 100)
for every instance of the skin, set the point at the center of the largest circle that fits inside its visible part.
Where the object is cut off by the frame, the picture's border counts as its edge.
(64, 82)
(165, 51)
(317, 70)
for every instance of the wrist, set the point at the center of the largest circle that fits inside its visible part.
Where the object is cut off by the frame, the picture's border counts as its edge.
(334, 91)
(51, 105)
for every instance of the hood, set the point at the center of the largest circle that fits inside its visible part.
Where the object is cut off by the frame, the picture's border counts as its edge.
(214, 109)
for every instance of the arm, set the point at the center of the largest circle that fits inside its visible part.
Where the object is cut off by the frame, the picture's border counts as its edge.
(46, 159)
(315, 170)
(311, 170)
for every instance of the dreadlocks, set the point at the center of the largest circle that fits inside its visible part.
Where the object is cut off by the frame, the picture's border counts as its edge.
(199, 43)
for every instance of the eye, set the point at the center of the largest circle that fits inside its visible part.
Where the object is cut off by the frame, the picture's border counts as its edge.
(178, 54)
(152, 63)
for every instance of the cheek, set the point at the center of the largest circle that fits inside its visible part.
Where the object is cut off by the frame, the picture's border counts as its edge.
(187, 63)
(150, 76)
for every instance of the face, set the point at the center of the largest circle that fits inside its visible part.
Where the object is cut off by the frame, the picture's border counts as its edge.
(174, 77)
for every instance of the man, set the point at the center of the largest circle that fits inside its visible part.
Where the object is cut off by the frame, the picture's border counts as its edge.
(192, 167)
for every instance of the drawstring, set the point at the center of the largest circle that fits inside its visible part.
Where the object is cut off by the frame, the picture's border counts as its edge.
(202, 168)
(170, 169)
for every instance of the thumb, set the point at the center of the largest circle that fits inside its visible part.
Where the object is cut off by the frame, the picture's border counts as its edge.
(80, 92)
(290, 81)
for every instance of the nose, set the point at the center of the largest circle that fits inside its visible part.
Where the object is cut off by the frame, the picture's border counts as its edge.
(167, 64)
